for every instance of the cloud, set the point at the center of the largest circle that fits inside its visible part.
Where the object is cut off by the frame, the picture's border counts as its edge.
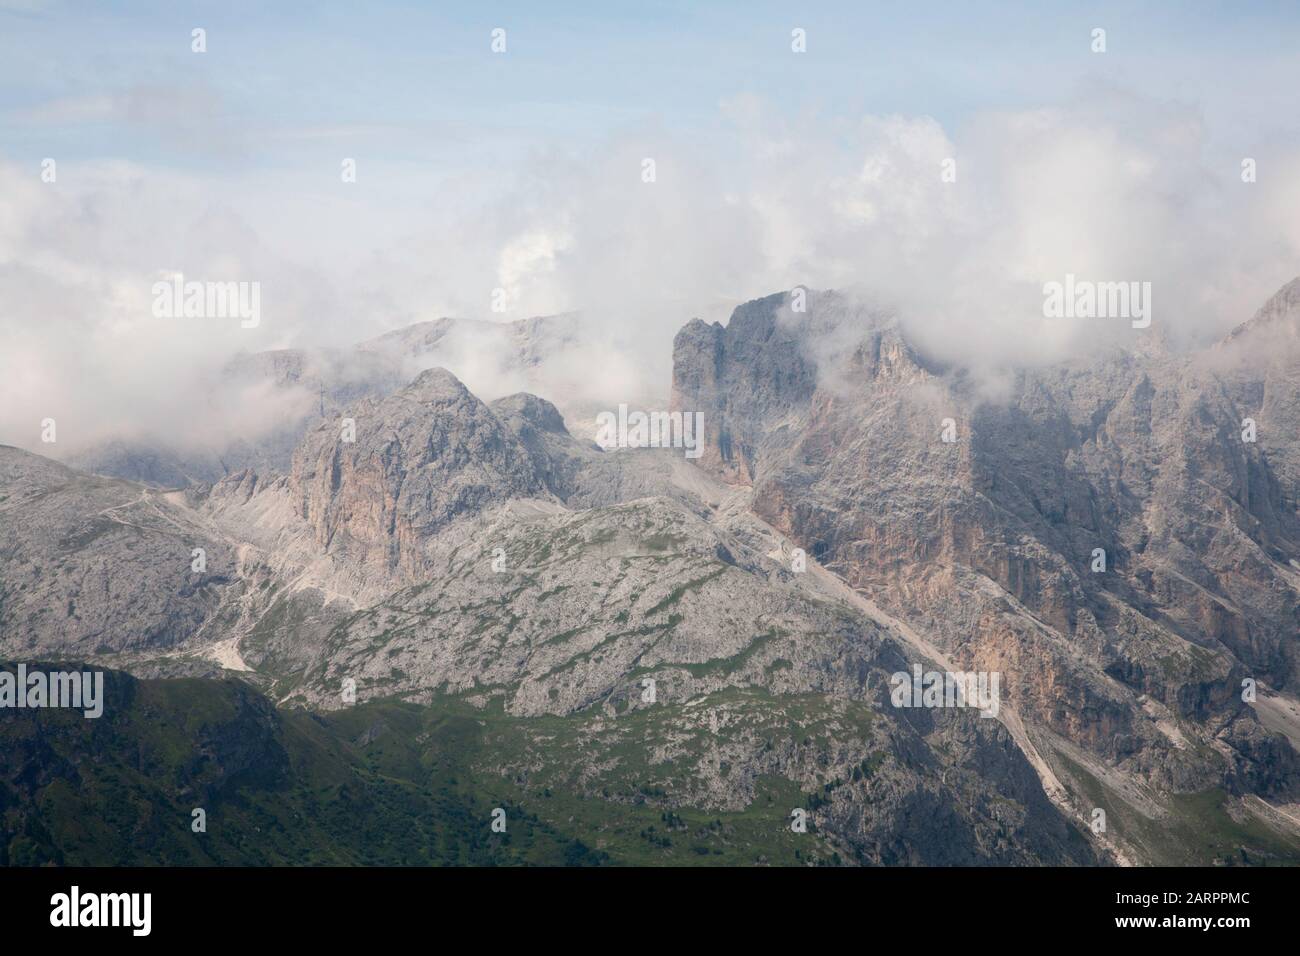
(1108, 187)
(193, 117)
(1127, 193)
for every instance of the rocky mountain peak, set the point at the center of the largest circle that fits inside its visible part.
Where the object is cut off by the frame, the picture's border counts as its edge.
(537, 412)
(409, 465)
(1281, 313)
(435, 386)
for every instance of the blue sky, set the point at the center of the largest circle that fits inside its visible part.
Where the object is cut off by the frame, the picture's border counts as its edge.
(412, 81)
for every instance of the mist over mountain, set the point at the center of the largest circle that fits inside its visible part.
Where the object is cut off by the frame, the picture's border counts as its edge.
(1151, 196)
(1102, 535)
(691, 435)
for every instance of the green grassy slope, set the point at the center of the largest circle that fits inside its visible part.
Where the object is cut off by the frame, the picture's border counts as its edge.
(380, 783)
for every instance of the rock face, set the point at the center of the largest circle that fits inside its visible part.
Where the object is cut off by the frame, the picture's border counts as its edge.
(732, 373)
(1259, 364)
(992, 544)
(425, 455)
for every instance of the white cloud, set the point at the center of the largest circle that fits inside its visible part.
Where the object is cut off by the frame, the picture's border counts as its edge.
(1109, 188)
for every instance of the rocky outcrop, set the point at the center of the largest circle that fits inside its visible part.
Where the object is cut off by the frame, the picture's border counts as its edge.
(418, 460)
(990, 543)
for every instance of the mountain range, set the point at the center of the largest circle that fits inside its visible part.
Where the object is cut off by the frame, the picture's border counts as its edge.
(402, 607)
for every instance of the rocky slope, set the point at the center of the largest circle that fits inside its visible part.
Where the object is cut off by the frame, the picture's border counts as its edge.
(633, 631)
(763, 679)
(988, 544)
(97, 565)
